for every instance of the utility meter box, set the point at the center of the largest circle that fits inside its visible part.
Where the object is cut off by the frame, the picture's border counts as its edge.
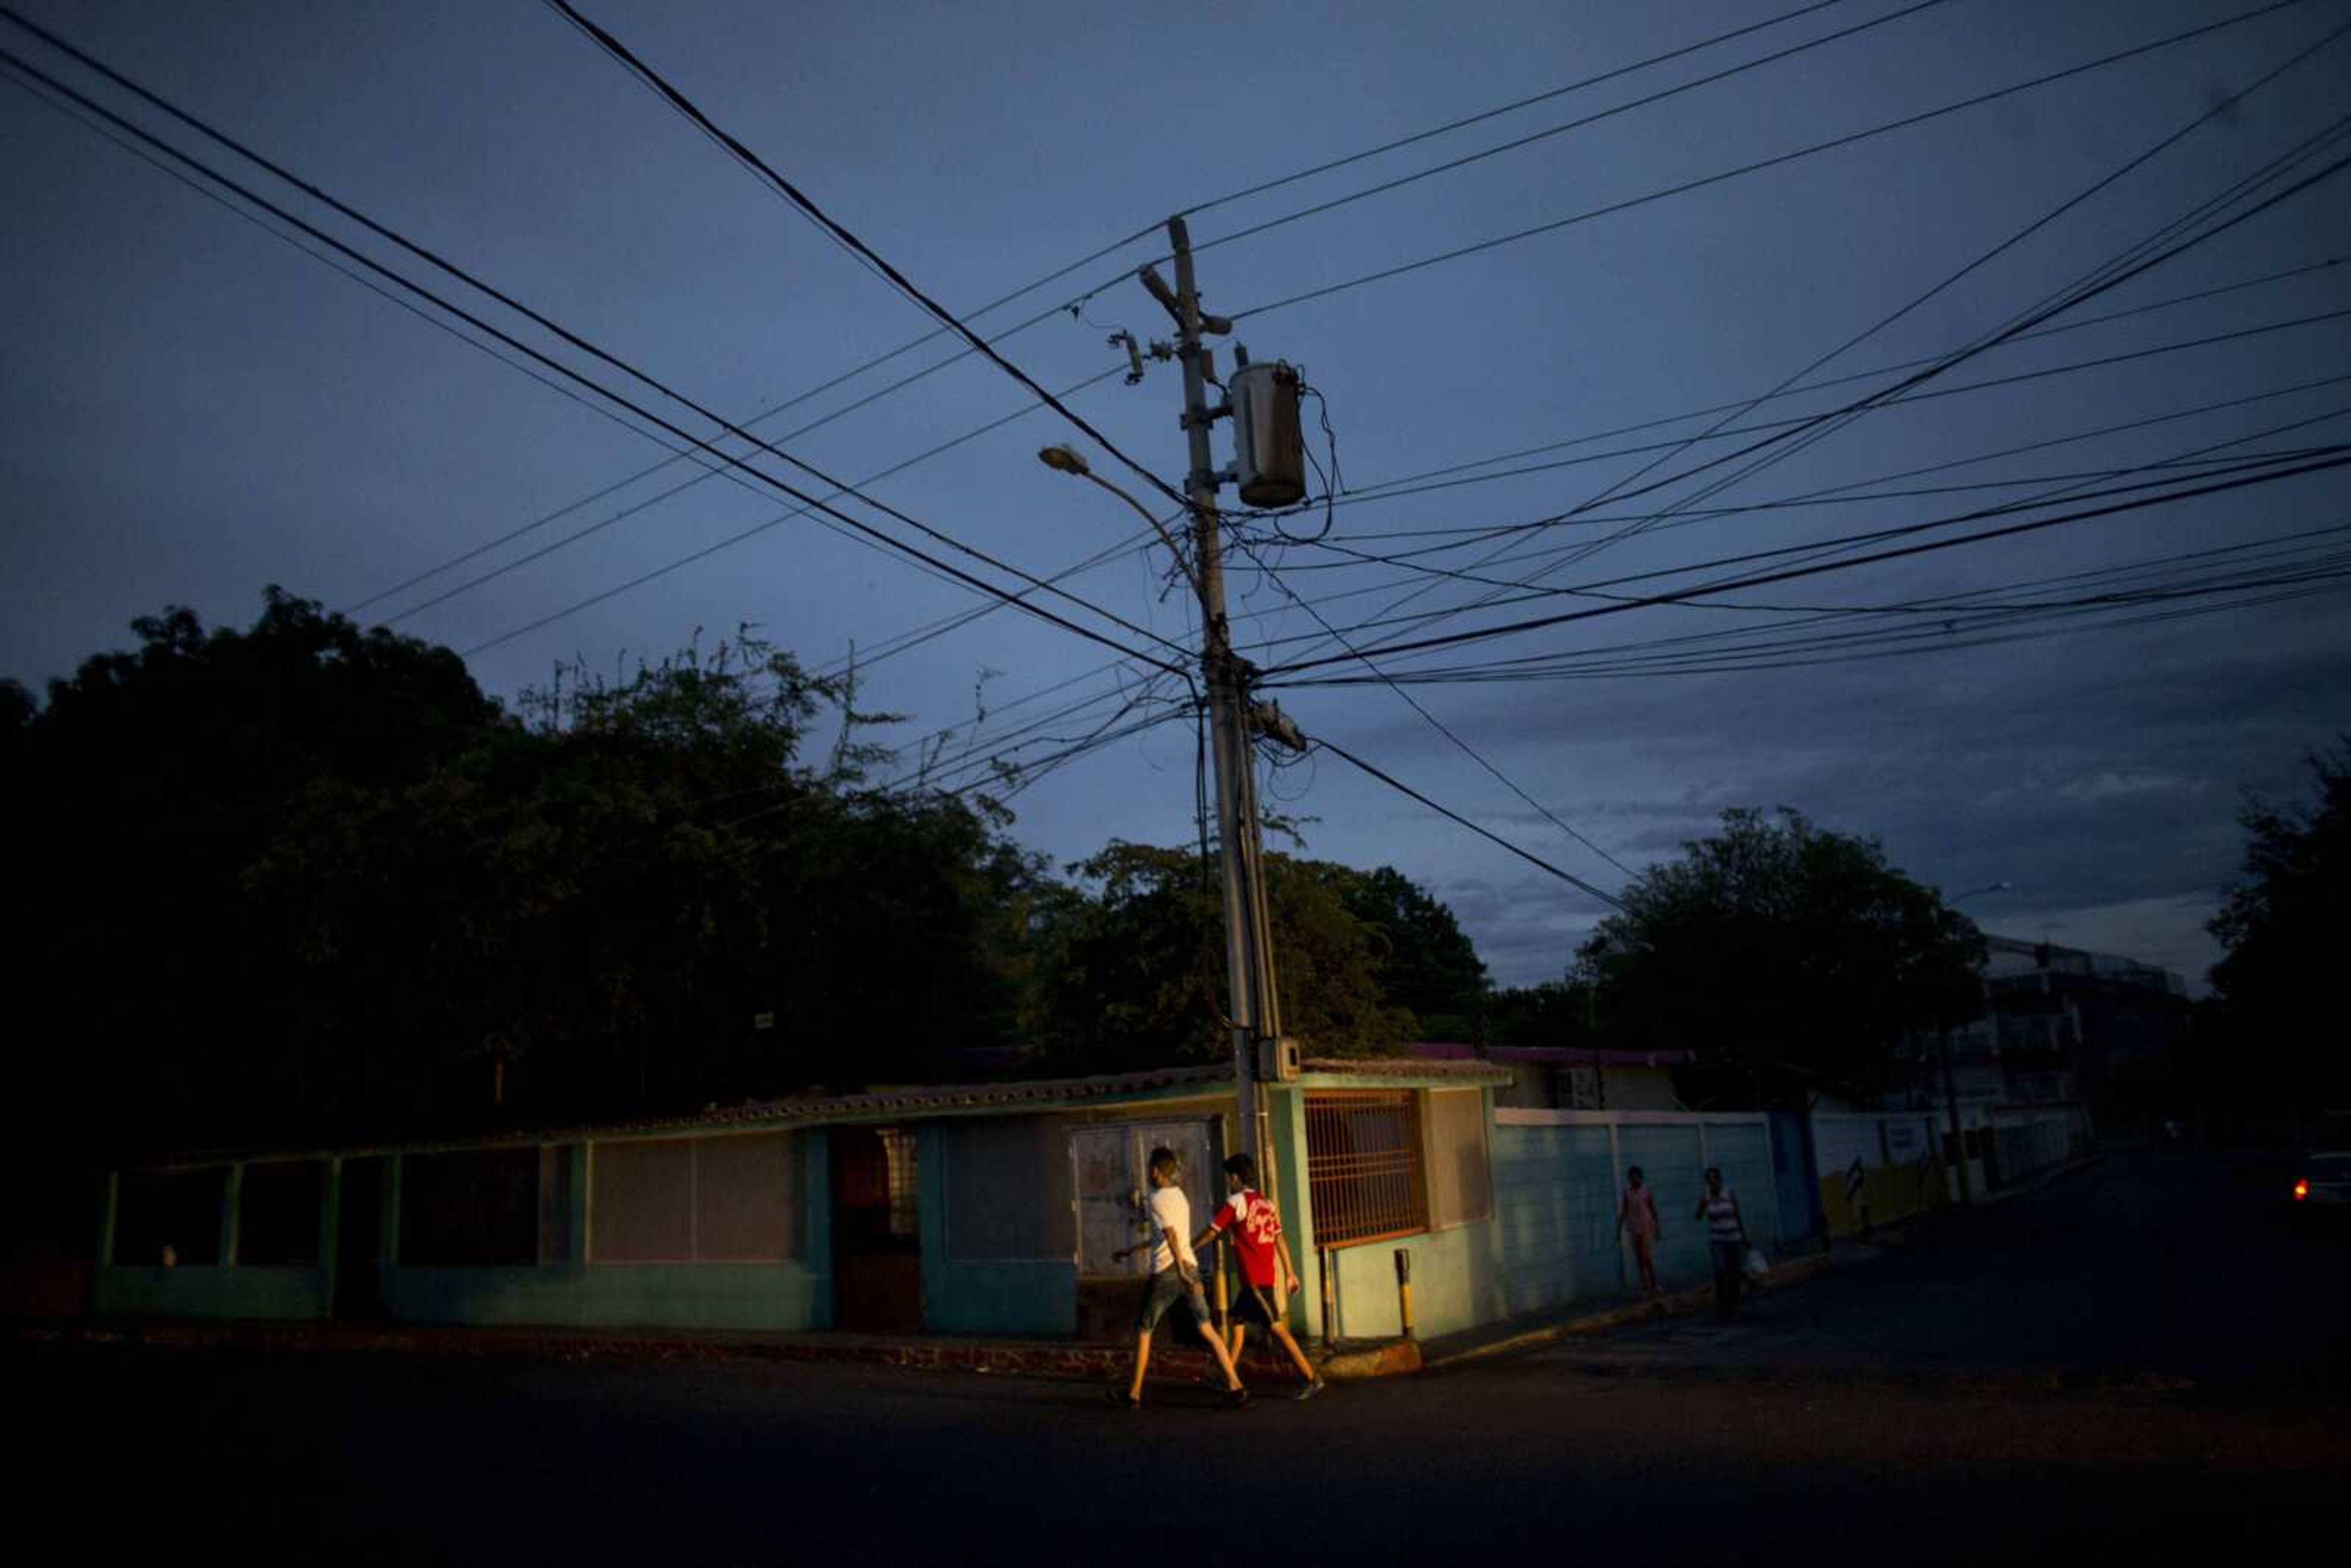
(1269, 449)
(1277, 1060)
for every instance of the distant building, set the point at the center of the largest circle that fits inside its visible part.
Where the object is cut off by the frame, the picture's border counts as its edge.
(2067, 1043)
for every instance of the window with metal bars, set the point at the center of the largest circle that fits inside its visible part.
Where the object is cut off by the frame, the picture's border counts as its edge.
(905, 1184)
(1364, 1174)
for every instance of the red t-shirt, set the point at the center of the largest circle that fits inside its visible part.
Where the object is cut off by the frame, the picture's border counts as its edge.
(1255, 1227)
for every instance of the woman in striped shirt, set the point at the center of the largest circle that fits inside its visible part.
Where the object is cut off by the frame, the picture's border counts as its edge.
(1725, 1237)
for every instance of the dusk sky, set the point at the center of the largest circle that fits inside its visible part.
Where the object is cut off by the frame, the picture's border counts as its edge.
(193, 407)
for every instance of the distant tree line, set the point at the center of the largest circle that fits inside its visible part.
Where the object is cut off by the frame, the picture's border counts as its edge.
(303, 876)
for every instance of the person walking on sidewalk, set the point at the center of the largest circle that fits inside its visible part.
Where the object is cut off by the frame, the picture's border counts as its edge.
(1637, 1217)
(1256, 1226)
(1725, 1237)
(1174, 1274)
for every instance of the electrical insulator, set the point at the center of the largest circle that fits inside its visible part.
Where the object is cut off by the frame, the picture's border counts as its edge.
(1268, 451)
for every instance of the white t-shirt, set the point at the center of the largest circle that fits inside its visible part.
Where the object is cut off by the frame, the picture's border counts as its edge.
(1171, 1214)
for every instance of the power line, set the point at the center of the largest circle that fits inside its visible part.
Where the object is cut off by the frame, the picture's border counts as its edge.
(1484, 115)
(1813, 549)
(477, 322)
(1576, 124)
(543, 551)
(1819, 147)
(800, 199)
(1434, 722)
(1509, 629)
(1742, 639)
(1683, 515)
(992, 305)
(1524, 589)
(2223, 106)
(1393, 782)
(2106, 278)
(1478, 531)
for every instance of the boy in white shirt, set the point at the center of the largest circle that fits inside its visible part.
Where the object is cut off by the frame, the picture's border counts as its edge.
(1175, 1273)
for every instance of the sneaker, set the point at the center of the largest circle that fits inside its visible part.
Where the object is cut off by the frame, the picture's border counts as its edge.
(1236, 1398)
(1120, 1399)
(1309, 1391)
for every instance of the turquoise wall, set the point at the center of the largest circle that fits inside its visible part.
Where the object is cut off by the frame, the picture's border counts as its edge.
(210, 1291)
(1018, 1296)
(776, 1296)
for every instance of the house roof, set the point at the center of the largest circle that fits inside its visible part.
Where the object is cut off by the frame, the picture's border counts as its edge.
(871, 1105)
(1551, 1055)
(1394, 1067)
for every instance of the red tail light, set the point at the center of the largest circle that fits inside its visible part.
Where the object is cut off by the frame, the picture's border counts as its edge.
(2301, 1189)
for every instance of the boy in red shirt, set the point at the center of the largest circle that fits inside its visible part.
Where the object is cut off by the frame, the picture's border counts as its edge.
(1265, 1265)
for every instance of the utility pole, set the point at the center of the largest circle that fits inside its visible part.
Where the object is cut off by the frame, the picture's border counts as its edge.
(1256, 1016)
(1952, 1104)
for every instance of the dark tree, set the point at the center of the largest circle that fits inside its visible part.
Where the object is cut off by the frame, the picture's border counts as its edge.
(2285, 928)
(1132, 973)
(1775, 946)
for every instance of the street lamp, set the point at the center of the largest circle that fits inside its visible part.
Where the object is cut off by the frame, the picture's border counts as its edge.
(1067, 459)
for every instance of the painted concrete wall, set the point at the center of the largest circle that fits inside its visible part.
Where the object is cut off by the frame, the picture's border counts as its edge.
(211, 1291)
(1638, 1089)
(787, 1297)
(1555, 1216)
(779, 1296)
(990, 1296)
(1902, 1172)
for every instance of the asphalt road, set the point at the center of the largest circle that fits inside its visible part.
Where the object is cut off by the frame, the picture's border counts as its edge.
(1766, 1446)
(2142, 1268)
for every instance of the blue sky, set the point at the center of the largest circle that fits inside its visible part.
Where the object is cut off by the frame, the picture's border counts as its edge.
(193, 407)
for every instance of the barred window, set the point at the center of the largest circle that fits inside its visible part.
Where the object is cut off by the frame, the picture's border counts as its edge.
(1363, 1169)
(176, 1209)
(277, 1213)
(682, 1200)
(469, 1208)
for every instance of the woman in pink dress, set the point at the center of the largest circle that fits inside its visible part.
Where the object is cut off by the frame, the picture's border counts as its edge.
(1637, 1216)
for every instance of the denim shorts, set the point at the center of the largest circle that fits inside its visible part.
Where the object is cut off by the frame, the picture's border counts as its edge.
(1160, 1292)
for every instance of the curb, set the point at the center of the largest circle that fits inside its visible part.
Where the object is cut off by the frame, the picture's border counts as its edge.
(1175, 1364)
(1678, 1304)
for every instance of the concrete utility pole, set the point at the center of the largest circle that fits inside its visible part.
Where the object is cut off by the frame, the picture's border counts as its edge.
(1950, 1084)
(1256, 1014)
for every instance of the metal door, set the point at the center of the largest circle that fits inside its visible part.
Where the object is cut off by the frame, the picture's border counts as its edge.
(1112, 1166)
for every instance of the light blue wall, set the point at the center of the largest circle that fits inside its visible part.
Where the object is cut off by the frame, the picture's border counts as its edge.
(1669, 1157)
(1555, 1216)
(1742, 1151)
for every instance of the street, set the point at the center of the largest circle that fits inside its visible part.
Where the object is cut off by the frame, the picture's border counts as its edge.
(2121, 1367)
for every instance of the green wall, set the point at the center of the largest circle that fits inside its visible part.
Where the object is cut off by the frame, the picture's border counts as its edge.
(210, 1291)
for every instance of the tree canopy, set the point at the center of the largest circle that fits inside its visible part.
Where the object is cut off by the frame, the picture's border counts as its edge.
(1132, 973)
(1775, 946)
(2285, 927)
(303, 876)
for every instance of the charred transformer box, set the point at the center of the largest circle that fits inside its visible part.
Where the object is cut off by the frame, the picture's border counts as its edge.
(1268, 448)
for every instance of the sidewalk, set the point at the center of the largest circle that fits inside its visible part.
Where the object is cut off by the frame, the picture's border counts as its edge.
(1594, 1317)
(1174, 1361)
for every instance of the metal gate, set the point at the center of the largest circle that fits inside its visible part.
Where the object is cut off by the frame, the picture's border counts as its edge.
(1112, 1166)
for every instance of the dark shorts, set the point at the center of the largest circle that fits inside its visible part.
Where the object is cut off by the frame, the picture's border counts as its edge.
(1161, 1292)
(1254, 1304)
